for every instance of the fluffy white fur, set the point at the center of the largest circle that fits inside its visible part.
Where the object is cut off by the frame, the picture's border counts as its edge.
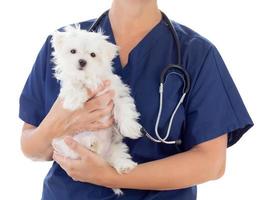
(75, 80)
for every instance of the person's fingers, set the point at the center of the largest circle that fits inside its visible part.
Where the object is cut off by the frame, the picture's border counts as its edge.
(68, 165)
(108, 123)
(64, 162)
(96, 120)
(76, 147)
(84, 153)
(96, 126)
(99, 102)
(101, 87)
(99, 114)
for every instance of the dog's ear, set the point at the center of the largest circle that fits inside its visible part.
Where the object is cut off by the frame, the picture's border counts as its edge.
(111, 50)
(57, 39)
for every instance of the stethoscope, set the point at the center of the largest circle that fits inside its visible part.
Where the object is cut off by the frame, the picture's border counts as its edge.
(179, 70)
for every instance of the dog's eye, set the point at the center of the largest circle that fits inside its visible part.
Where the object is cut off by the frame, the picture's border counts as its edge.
(93, 55)
(73, 51)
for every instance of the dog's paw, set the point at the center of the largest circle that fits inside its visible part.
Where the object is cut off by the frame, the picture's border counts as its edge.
(93, 146)
(125, 166)
(118, 192)
(61, 148)
(131, 130)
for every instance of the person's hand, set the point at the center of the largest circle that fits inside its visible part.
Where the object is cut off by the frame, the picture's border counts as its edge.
(60, 121)
(90, 167)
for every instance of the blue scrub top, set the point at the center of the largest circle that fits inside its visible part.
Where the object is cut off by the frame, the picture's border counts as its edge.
(212, 107)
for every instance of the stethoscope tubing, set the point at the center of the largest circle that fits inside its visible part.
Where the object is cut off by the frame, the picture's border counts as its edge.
(183, 74)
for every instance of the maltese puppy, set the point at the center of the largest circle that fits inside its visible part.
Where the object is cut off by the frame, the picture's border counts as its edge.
(83, 60)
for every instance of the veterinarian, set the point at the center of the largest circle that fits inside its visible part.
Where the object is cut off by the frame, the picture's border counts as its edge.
(212, 117)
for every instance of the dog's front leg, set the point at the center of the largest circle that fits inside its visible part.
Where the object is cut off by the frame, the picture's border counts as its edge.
(125, 113)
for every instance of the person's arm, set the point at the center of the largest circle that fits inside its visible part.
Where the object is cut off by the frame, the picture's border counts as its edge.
(36, 141)
(202, 163)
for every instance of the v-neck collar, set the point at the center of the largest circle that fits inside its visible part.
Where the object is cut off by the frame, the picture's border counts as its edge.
(140, 49)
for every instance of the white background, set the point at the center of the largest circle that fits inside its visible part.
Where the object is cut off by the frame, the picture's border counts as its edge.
(238, 29)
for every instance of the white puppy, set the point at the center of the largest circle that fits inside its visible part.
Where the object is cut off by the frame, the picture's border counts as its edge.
(82, 61)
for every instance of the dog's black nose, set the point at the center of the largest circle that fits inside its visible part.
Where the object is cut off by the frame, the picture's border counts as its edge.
(82, 63)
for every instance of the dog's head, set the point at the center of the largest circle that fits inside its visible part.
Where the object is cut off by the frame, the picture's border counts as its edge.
(79, 52)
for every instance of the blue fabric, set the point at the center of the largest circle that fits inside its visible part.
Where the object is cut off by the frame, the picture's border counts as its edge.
(212, 107)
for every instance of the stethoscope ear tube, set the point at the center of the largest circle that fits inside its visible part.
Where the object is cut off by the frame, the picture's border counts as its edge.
(94, 26)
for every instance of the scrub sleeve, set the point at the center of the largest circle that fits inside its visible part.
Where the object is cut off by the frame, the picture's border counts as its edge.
(32, 99)
(214, 106)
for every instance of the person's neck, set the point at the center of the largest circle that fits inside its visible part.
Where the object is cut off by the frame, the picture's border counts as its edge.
(138, 15)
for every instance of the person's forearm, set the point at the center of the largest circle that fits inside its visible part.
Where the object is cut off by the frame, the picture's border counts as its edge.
(175, 172)
(36, 143)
